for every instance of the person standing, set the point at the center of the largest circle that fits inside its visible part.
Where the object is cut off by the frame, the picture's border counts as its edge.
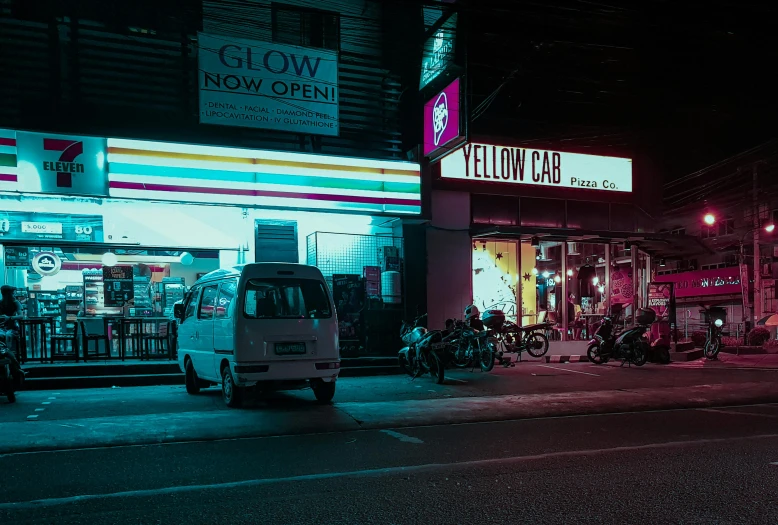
(10, 313)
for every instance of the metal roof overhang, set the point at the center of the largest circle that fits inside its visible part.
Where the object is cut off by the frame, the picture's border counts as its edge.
(663, 245)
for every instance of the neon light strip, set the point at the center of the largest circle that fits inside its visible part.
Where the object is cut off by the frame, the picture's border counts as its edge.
(264, 201)
(246, 192)
(218, 151)
(226, 171)
(289, 186)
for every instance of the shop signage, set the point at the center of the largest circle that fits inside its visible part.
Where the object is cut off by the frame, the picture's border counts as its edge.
(31, 225)
(46, 263)
(266, 85)
(190, 173)
(17, 256)
(503, 165)
(61, 164)
(438, 51)
(722, 281)
(118, 285)
(442, 119)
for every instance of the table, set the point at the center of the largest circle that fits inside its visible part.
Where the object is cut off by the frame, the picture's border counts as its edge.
(36, 327)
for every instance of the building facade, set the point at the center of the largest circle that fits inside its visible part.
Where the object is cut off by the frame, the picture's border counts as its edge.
(184, 136)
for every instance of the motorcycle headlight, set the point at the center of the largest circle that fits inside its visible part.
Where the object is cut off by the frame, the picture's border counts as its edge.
(719, 323)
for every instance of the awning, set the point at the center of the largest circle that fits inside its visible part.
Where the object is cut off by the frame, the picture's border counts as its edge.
(770, 320)
(662, 245)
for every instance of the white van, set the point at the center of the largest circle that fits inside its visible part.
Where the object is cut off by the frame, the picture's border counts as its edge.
(264, 325)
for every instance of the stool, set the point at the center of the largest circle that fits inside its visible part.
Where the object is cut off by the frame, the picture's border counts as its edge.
(59, 342)
(86, 338)
(133, 337)
(159, 341)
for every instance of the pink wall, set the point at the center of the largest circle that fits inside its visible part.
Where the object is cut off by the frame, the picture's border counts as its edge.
(449, 257)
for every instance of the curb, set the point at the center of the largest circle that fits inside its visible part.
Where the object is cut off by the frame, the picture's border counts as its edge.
(567, 359)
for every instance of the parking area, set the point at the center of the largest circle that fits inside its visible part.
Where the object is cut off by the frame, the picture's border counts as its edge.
(526, 378)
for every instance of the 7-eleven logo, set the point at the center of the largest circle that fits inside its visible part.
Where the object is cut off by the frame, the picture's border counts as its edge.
(66, 166)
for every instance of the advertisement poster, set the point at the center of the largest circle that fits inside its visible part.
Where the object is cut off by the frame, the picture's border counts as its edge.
(492, 165)
(119, 286)
(349, 294)
(622, 290)
(255, 84)
(700, 283)
(17, 256)
(42, 226)
(660, 299)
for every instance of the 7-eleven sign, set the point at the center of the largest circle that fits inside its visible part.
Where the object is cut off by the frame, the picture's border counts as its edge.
(60, 164)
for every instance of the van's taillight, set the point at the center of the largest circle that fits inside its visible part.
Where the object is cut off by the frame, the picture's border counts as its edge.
(327, 366)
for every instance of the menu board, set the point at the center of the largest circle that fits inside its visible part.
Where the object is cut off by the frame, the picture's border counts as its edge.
(17, 256)
(118, 285)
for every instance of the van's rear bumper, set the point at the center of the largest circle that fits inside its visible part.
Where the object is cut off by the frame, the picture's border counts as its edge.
(249, 373)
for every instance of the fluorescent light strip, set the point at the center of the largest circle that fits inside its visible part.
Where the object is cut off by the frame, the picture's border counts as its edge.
(120, 158)
(245, 200)
(281, 188)
(168, 147)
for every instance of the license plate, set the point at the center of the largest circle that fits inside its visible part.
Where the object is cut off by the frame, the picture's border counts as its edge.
(438, 346)
(290, 348)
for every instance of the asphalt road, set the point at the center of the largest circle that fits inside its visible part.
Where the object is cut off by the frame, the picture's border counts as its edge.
(525, 378)
(686, 466)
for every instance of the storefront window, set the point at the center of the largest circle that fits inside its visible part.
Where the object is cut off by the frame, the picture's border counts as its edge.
(496, 276)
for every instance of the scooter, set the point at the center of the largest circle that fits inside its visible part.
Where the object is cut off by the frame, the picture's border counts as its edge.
(10, 383)
(630, 346)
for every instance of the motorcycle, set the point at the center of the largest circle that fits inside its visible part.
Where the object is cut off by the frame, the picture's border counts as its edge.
(511, 338)
(421, 353)
(630, 346)
(468, 347)
(10, 383)
(713, 336)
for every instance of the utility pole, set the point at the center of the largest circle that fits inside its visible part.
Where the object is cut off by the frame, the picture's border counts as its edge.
(757, 252)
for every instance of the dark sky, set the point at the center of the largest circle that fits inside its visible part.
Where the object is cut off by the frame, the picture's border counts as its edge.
(688, 82)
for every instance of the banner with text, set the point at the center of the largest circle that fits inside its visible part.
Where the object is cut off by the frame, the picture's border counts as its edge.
(266, 85)
(490, 164)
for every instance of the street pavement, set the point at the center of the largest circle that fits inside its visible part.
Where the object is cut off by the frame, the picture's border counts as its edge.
(142, 415)
(682, 466)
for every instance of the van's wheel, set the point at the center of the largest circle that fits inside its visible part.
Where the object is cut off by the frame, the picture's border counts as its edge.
(190, 378)
(324, 392)
(11, 397)
(232, 394)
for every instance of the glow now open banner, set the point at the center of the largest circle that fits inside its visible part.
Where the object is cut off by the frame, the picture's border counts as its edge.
(487, 164)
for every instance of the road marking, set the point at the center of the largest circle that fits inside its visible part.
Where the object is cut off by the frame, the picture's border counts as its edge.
(403, 437)
(40, 409)
(775, 463)
(46, 403)
(735, 412)
(457, 380)
(33, 417)
(52, 398)
(387, 471)
(569, 370)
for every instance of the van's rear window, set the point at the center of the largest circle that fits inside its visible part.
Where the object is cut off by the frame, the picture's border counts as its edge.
(286, 298)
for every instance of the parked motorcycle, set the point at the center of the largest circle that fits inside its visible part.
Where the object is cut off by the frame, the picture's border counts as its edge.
(511, 338)
(467, 347)
(630, 346)
(421, 353)
(713, 336)
(10, 383)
